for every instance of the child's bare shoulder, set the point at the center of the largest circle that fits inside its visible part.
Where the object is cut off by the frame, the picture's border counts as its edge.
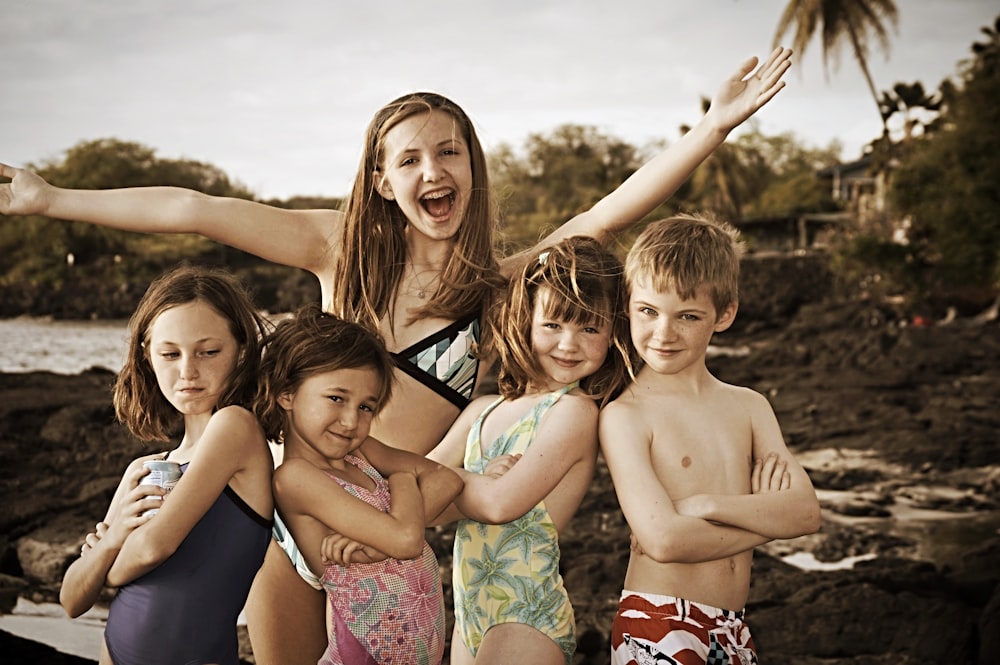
(628, 415)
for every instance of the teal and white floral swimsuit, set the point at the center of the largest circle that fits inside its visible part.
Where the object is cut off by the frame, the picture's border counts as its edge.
(509, 573)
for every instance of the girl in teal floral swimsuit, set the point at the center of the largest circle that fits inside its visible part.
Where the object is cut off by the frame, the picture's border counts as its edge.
(527, 456)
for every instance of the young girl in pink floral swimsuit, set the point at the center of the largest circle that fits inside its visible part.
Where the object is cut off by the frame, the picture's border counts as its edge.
(345, 496)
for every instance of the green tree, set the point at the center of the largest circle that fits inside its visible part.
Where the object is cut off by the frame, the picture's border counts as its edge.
(788, 185)
(853, 22)
(947, 184)
(558, 176)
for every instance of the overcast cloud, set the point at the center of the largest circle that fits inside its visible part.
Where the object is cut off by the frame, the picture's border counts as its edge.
(278, 95)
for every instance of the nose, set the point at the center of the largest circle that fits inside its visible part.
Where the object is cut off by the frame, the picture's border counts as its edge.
(432, 170)
(348, 418)
(189, 367)
(665, 329)
(567, 341)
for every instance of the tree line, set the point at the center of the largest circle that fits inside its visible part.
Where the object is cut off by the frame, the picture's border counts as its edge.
(936, 239)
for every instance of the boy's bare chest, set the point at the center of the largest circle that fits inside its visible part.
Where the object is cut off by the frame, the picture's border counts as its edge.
(696, 452)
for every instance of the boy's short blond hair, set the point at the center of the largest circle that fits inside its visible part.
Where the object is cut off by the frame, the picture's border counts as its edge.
(685, 252)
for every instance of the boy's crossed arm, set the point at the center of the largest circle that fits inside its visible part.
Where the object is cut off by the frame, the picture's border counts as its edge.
(791, 512)
(664, 534)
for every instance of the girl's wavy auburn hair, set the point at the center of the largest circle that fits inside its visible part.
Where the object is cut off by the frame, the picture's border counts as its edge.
(139, 403)
(584, 283)
(373, 243)
(312, 342)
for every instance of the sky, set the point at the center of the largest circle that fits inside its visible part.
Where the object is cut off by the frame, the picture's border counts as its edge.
(278, 95)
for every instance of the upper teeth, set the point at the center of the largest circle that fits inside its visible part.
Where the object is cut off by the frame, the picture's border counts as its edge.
(436, 195)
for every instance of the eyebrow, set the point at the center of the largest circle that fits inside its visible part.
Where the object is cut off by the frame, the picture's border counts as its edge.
(203, 340)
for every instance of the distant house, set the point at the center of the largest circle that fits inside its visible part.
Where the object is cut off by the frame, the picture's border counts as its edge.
(862, 192)
(794, 233)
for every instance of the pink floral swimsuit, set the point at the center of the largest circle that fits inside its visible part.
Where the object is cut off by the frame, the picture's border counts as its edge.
(390, 612)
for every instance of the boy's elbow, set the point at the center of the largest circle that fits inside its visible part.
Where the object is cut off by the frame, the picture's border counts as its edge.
(812, 520)
(807, 521)
(665, 546)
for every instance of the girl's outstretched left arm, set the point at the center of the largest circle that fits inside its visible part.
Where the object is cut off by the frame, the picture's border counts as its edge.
(740, 97)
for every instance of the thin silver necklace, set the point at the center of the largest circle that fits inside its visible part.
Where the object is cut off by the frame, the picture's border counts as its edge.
(421, 289)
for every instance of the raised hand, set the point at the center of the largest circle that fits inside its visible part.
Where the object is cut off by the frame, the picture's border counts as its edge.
(742, 95)
(25, 194)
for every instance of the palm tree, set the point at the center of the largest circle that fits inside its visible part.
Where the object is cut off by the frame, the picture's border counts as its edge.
(853, 21)
(730, 177)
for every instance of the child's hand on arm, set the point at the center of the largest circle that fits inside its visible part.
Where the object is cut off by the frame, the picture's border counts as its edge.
(87, 576)
(343, 551)
(770, 475)
(498, 466)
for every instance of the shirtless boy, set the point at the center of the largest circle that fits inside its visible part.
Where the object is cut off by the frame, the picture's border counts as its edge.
(700, 466)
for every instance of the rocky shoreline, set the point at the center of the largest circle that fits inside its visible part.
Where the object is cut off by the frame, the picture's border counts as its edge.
(890, 419)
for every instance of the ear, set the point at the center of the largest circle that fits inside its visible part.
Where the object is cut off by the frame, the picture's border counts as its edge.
(285, 401)
(382, 186)
(726, 318)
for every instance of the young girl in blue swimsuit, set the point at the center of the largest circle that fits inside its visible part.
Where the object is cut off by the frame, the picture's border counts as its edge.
(412, 255)
(183, 573)
(561, 336)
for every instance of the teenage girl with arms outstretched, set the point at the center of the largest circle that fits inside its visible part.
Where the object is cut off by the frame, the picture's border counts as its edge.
(323, 381)
(183, 573)
(561, 337)
(412, 255)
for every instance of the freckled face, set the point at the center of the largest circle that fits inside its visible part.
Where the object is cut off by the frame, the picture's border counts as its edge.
(427, 171)
(670, 333)
(193, 354)
(330, 414)
(567, 351)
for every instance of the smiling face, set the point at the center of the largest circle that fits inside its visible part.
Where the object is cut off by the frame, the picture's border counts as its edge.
(330, 414)
(672, 333)
(427, 171)
(566, 351)
(193, 353)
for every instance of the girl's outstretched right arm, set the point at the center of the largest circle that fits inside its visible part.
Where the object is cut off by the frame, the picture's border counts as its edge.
(85, 578)
(297, 238)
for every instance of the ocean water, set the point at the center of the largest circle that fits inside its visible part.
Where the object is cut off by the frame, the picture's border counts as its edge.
(63, 347)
